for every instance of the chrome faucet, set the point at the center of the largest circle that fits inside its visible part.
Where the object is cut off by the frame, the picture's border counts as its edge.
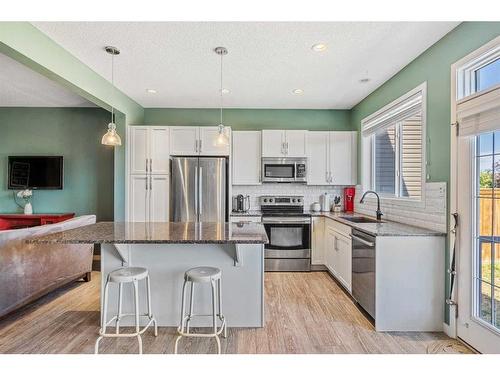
(379, 213)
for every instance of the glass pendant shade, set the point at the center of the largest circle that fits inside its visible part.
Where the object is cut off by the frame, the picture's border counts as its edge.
(111, 138)
(222, 139)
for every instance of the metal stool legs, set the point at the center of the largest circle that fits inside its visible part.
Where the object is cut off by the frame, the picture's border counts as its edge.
(138, 332)
(184, 329)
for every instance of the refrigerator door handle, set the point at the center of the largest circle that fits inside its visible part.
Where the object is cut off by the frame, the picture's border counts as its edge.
(200, 191)
(196, 192)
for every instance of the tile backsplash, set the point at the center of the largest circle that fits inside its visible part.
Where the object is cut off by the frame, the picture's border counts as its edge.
(311, 193)
(430, 213)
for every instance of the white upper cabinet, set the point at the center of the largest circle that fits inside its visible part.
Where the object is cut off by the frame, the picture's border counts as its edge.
(208, 141)
(343, 158)
(139, 156)
(273, 143)
(246, 161)
(317, 158)
(149, 149)
(284, 143)
(184, 140)
(197, 140)
(296, 143)
(159, 150)
(332, 158)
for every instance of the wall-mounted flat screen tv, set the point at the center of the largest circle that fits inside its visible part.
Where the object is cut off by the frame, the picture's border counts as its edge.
(35, 172)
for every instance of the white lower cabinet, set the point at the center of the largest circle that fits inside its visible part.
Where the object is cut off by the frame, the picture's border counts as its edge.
(148, 198)
(338, 251)
(318, 240)
(138, 198)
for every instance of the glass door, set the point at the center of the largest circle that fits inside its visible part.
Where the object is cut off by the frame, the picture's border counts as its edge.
(478, 321)
(486, 260)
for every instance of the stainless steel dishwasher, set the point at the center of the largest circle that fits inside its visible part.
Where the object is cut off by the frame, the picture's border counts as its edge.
(363, 270)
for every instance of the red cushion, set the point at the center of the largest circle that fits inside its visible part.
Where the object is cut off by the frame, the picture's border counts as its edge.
(4, 224)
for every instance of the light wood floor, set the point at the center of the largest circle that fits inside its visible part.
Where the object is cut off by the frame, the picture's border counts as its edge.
(305, 313)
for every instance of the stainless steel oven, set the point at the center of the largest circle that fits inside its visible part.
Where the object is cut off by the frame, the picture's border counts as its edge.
(284, 170)
(289, 233)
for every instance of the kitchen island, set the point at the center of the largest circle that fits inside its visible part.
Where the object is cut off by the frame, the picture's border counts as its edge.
(167, 250)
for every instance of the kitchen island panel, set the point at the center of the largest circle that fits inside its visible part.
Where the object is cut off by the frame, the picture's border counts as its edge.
(242, 284)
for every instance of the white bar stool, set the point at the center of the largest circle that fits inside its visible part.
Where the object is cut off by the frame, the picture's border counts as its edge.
(210, 275)
(124, 276)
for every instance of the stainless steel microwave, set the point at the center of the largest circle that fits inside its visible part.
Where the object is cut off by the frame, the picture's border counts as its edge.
(284, 170)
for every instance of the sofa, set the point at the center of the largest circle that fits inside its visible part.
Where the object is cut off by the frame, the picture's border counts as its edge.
(29, 271)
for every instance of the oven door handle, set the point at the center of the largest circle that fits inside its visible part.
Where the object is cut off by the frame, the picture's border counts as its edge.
(285, 220)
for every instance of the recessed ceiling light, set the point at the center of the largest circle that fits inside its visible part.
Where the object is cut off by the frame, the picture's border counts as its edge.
(298, 91)
(364, 80)
(151, 91)
(319, 47)
(225, 91)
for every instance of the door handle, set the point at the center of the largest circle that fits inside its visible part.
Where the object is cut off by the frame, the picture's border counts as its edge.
(200, 181)
(196, 194)
(365, 242)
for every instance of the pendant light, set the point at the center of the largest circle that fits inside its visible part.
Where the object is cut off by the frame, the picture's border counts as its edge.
(222, 138)
(111, 138)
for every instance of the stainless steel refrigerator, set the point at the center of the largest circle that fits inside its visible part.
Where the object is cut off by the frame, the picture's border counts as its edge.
(198, 189)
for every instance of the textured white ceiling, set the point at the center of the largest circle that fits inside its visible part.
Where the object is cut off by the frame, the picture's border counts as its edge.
(22, 87)
(266, 61)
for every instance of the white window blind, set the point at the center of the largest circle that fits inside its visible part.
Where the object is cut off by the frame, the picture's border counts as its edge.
(479, 113)
(399, 111)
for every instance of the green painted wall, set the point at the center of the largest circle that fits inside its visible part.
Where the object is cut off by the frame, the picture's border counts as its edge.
(74, 133)
(28, 45)
(252, 119)
(432, 66)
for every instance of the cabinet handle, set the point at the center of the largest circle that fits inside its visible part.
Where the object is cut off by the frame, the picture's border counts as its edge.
(151, 165)
(146, 165)
(287, 148)
(200, 146)
(147, 183)
(150, 182)
(195, 146)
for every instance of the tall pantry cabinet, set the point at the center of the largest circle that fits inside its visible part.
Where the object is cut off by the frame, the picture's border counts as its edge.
(148, 158)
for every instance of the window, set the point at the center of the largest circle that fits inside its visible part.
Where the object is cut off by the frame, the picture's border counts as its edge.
(394, 140)
(480, 73)
(488, 75)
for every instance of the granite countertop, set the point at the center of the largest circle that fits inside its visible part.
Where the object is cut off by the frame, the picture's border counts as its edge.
(247, 213)
(383, 228)
(159, 233)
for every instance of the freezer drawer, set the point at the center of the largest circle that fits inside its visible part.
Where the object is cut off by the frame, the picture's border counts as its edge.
(302, 253)
(285, 265)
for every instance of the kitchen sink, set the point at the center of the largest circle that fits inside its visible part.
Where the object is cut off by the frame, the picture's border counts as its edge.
(359, 219)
